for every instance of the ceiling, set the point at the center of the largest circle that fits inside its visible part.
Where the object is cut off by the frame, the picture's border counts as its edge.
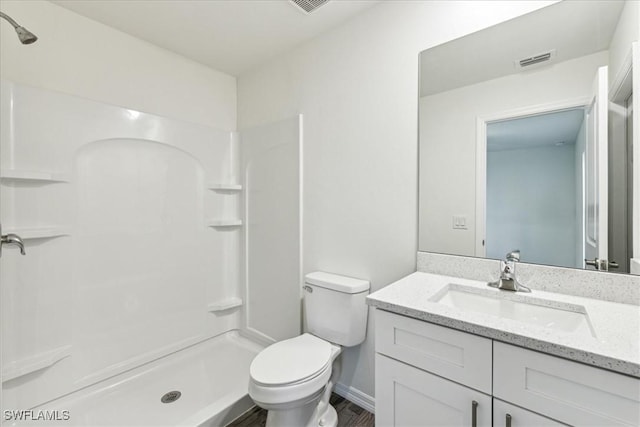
(543, 130)
(231, 36)
(572, 28)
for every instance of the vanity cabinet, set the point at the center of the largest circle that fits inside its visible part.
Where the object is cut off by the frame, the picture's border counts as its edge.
(428, 374)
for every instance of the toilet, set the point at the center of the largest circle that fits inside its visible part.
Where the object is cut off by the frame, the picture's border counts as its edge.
(293, 379)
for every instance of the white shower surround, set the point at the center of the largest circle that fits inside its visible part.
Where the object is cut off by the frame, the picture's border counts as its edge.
(272, 173)
(133, 253)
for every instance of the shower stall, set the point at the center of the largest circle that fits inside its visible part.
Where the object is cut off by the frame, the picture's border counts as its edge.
(160, 257)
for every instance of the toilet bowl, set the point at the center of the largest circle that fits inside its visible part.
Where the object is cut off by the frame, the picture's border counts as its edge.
(290, 378)
(293, 379)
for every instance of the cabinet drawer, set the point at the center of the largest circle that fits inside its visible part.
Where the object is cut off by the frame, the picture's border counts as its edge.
(407, 396)
(458, 356)
(507, 415)
(566, 391)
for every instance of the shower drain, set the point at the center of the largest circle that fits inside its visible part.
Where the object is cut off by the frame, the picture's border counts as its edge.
(170, 397)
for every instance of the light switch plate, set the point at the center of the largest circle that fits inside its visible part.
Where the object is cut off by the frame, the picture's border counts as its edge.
(459, 222)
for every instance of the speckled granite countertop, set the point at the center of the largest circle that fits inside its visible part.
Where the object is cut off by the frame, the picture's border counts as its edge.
(611, 339)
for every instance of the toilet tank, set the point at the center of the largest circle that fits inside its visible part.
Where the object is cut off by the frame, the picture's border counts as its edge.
(335, 307)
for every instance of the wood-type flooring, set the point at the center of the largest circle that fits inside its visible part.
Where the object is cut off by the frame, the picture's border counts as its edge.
(349, 415)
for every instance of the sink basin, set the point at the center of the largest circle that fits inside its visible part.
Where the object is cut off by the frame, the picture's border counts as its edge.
(564, 317)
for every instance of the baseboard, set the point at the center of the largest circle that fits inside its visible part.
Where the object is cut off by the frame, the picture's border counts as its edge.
(356, 396)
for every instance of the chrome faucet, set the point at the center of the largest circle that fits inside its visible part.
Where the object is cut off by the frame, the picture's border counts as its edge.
(508, 280)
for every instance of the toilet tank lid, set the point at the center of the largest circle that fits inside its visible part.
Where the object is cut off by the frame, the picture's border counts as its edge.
(348, 285)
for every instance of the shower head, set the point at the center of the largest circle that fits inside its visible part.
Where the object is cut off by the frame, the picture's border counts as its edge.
(25, 36)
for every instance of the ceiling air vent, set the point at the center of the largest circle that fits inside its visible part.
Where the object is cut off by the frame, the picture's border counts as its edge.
(309, 5)
(536, 59)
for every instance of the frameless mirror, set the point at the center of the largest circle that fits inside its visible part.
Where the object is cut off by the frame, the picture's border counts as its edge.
(526, 139)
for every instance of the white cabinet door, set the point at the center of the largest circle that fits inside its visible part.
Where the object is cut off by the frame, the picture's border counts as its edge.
(568, 391)
(407, 396)
(507, 415)
(457, 356)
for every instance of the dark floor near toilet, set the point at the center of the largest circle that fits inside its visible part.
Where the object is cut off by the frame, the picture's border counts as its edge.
(349, 415)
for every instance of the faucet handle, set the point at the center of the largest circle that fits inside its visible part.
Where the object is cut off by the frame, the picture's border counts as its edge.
(505, 267)
(513, 256)
(508, 280)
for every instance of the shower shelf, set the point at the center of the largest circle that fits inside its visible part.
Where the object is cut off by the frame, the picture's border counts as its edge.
(36, 176)
(225, 304)
(40, 232)
(224, 223)
(35, 363)
(225, 187)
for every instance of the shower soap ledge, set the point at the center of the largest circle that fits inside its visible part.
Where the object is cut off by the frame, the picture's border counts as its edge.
(225, 304)
(225, 187)
(35, 363)
(27, 175)
(224, 222)
(40, 232)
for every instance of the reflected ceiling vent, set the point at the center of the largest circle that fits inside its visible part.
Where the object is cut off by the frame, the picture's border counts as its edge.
(309, 5)
(536, 59)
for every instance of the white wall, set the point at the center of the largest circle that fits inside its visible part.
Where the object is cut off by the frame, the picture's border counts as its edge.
(357, 87)
(627, 31)
(448, 141)
(81, 57)
(531, 204)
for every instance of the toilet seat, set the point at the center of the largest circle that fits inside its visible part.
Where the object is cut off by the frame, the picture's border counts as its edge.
(291, 370)
(291, 361)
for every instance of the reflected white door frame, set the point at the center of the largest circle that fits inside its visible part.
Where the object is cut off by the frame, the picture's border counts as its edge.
(596, 242)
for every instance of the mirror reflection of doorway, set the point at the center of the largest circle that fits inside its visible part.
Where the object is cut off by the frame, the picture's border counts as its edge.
(537, 185)
(569, 225)
(534, 193)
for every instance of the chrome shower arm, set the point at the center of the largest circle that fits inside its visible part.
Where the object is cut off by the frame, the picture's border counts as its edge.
(9, 19)
(25, 36)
